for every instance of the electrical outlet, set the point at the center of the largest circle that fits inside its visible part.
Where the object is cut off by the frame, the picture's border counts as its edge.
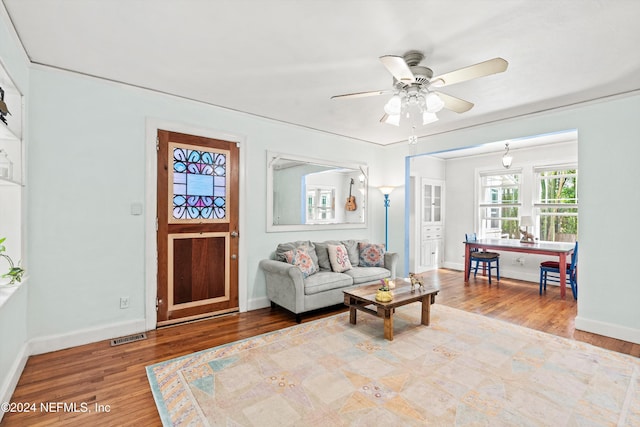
(124, 302)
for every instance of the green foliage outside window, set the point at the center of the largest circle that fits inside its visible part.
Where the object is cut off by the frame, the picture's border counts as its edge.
(559, 223)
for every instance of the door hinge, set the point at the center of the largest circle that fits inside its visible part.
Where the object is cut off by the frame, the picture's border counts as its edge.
(157, 304)
(157, 224)
(157, 143)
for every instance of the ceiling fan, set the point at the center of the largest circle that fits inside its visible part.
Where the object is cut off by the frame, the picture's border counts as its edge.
(413, 88)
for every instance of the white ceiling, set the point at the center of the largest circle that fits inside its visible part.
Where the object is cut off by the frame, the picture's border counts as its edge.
(284, 59)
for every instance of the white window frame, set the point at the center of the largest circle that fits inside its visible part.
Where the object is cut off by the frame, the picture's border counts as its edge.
(483, 203)
(317, 209)
(539, 204)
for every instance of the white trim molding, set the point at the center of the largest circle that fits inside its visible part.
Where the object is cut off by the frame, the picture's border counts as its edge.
(608, 329)
(13, 376)
(79, 337)
(151, 173)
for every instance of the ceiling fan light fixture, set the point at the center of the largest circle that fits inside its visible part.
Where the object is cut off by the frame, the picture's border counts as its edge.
(391, 119)
(393, 105)
(434, 103)
(428, 117)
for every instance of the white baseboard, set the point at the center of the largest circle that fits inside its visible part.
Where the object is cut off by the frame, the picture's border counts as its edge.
(608, 329)
(256, 303)
(11, 380)
(85, 336)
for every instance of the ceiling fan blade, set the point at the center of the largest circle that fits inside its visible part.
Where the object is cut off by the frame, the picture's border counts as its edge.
(455, 104)
(363, 94)
(397, 66)
(486, 68)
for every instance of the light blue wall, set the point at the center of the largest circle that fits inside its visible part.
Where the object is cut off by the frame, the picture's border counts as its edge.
(608, 153)
(87, 167)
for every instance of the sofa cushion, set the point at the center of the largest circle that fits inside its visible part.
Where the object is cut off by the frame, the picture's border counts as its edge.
(289, 246)
(301, 259)
(323, 254)
(352, 250)
(367, 274)
(339, 258)
(325, 281)
(371, 254)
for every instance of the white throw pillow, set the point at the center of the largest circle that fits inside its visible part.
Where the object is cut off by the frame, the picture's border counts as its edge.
(339, 258)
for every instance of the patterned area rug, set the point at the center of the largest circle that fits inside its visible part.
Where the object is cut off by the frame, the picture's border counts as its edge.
(463, 369)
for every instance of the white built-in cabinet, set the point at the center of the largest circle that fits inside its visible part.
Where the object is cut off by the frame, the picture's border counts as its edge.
(431, 224)
(11, 173)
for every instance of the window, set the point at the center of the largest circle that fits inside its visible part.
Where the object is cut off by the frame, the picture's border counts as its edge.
(556, 203)
(499, 203)
(321, 206)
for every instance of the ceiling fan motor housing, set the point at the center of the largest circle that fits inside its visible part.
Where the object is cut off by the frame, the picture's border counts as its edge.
(422, 74)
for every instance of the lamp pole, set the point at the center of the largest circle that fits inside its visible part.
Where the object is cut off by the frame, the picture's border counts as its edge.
(386, 222)
(386, 191)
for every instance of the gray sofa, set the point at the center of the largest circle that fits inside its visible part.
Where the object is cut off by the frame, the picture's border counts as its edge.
(288, 287)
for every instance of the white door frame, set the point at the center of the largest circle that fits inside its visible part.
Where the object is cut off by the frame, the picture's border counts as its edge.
(151, 175)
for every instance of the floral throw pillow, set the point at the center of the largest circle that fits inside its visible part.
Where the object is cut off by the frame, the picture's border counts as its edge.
(371, 254)
(301, 259)
(339, 258)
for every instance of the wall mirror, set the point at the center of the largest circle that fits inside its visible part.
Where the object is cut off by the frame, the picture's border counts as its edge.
(312, 194)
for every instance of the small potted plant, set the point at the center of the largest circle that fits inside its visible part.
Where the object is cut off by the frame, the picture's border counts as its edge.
(15, 272)
(384, 294)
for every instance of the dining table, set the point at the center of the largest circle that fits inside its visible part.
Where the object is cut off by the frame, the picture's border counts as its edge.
(562, 250)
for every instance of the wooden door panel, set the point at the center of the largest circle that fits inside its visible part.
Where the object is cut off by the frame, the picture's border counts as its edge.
(199, 268)
(198, 207)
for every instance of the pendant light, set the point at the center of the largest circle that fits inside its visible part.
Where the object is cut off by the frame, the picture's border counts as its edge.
(507, 158)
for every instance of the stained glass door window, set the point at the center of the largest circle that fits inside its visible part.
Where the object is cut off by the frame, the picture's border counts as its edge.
(200, 184)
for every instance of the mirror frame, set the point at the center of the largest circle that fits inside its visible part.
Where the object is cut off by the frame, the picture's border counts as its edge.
(272, 157)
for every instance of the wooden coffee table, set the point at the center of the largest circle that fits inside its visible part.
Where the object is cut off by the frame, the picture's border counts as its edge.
(364, 299)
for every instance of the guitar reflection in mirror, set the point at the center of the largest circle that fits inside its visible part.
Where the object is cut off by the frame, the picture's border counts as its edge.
(351, 200)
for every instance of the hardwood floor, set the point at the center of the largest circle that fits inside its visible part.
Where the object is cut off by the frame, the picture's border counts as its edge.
(114, 378)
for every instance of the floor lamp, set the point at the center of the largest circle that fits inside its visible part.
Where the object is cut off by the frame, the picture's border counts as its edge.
(386, 191)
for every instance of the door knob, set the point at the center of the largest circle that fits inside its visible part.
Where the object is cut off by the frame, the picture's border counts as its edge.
(234, 256)
(234, 233)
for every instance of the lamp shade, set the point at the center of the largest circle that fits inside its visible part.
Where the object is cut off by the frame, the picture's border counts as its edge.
(393, 106)
(434, 103)
(428, 117)
(507, 158)
(526, 221)
(391, 119)
(386, 190)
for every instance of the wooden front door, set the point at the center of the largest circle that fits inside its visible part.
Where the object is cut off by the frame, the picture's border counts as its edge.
(197, 227)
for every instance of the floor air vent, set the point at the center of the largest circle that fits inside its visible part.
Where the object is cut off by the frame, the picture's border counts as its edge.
(128, 339)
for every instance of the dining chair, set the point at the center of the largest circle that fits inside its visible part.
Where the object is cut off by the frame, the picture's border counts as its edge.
(550, 271)
(489, 260)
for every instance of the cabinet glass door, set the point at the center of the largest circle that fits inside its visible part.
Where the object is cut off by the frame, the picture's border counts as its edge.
(436, 203)
(427, 200)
